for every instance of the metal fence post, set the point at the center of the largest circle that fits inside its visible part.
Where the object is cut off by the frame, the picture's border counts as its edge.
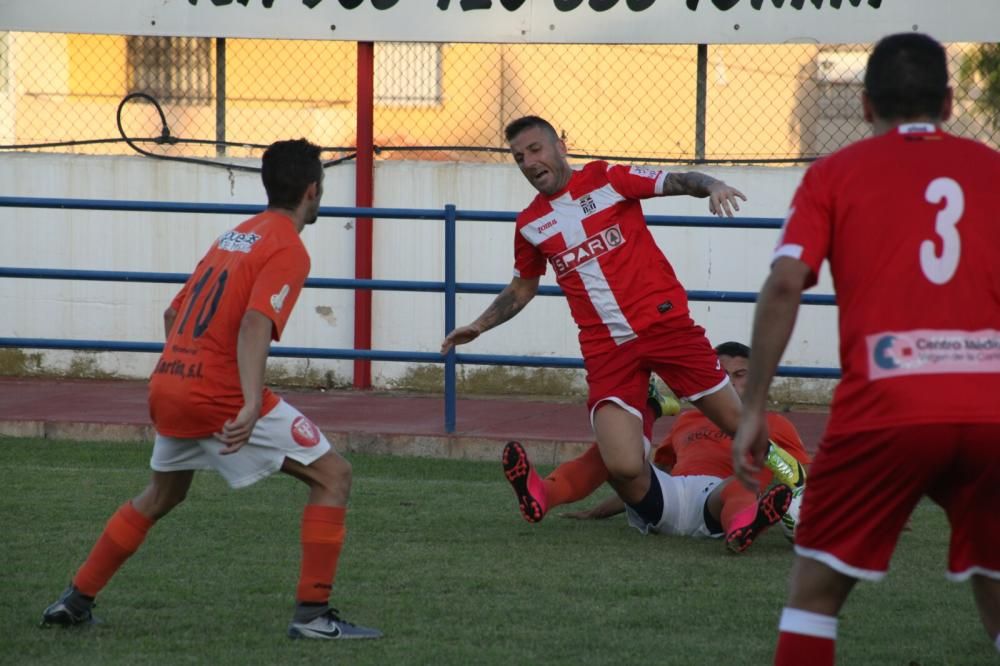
(220, 96)
(701, 91)
(450, 290)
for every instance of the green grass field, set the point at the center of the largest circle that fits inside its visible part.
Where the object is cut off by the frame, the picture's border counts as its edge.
(439, 559)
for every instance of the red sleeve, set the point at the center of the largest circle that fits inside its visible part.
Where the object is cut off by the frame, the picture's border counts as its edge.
(529, 262)
(806, 233)
(278, 285)
(636, 182)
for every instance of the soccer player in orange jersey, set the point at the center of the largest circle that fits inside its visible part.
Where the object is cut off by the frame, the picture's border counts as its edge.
(908, 222)
(210, 407)
(703, 500)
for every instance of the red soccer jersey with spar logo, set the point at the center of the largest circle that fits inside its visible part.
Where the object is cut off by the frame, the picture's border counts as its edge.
(594, 235)
(909, 222)
(260, 265)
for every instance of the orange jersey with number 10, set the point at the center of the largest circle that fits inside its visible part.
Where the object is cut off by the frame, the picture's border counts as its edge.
(260, 265)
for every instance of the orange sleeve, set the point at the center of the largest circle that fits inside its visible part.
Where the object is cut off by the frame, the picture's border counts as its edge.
(787, 437)
(664, 456)
(278, 285)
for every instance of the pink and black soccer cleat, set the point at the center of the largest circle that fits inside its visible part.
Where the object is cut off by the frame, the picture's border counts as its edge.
(748, 524)
(527, 485)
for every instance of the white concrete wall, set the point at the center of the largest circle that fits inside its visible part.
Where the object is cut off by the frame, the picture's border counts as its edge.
(722, 259)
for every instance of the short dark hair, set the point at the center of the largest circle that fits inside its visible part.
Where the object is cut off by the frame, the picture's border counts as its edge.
(907, 77)
(734, 349)
(521, 124)
(287, 170)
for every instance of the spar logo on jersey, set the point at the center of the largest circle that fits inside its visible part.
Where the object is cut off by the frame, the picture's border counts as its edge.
(894, 352)
(590, 249)
(235, 241)
(305, 433)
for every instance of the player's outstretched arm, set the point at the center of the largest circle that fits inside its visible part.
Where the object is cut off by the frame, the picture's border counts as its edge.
(722, 199)
(508, 303)
(774, 319)
(609, 507)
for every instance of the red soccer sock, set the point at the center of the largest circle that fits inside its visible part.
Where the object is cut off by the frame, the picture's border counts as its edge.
(575, 479)
(735, 498)
(806, 638)
(322, 538)
(122, 536)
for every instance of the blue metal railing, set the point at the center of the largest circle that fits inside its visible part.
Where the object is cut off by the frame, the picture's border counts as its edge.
(450, 287)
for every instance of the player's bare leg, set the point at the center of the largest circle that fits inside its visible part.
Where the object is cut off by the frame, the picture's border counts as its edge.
(328, 477)
(987, 594)
(817, 588)
(619, 438)
(808, 627)
(722, 408)
(165, 491)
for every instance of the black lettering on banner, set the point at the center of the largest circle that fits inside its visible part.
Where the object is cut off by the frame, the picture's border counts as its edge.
(267, 3)
(569, 5)
(469, 5)
(726, 5)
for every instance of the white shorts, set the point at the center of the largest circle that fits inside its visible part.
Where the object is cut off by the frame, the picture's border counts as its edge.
(684, 500)
(283, 433)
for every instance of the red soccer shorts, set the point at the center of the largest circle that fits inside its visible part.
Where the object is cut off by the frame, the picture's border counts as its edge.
(863, 487)
(678, 352)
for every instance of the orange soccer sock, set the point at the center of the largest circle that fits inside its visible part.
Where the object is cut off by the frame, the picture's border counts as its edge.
(323, 531)
(735, 498)
(122, 536)
(575, 479)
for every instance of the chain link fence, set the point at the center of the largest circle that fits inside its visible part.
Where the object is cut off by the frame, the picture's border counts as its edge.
(220, 99)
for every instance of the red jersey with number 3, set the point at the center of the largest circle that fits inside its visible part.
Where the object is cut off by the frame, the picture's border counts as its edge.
(260, 265)
(594, 235)
(910, 222)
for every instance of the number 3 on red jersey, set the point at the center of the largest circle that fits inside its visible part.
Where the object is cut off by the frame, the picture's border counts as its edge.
(940, 269)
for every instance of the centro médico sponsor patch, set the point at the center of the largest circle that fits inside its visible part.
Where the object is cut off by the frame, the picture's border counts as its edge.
(932, 352)
(588, 250)
(235, 241)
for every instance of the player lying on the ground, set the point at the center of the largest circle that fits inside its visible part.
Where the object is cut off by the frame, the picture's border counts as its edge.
(702, 500)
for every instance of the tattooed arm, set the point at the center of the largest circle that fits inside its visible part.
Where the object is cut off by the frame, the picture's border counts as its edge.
(508, 303)
(723, 199)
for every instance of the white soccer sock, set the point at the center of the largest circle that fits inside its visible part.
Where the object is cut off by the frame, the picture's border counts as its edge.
(997, 642)
(795, 621)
